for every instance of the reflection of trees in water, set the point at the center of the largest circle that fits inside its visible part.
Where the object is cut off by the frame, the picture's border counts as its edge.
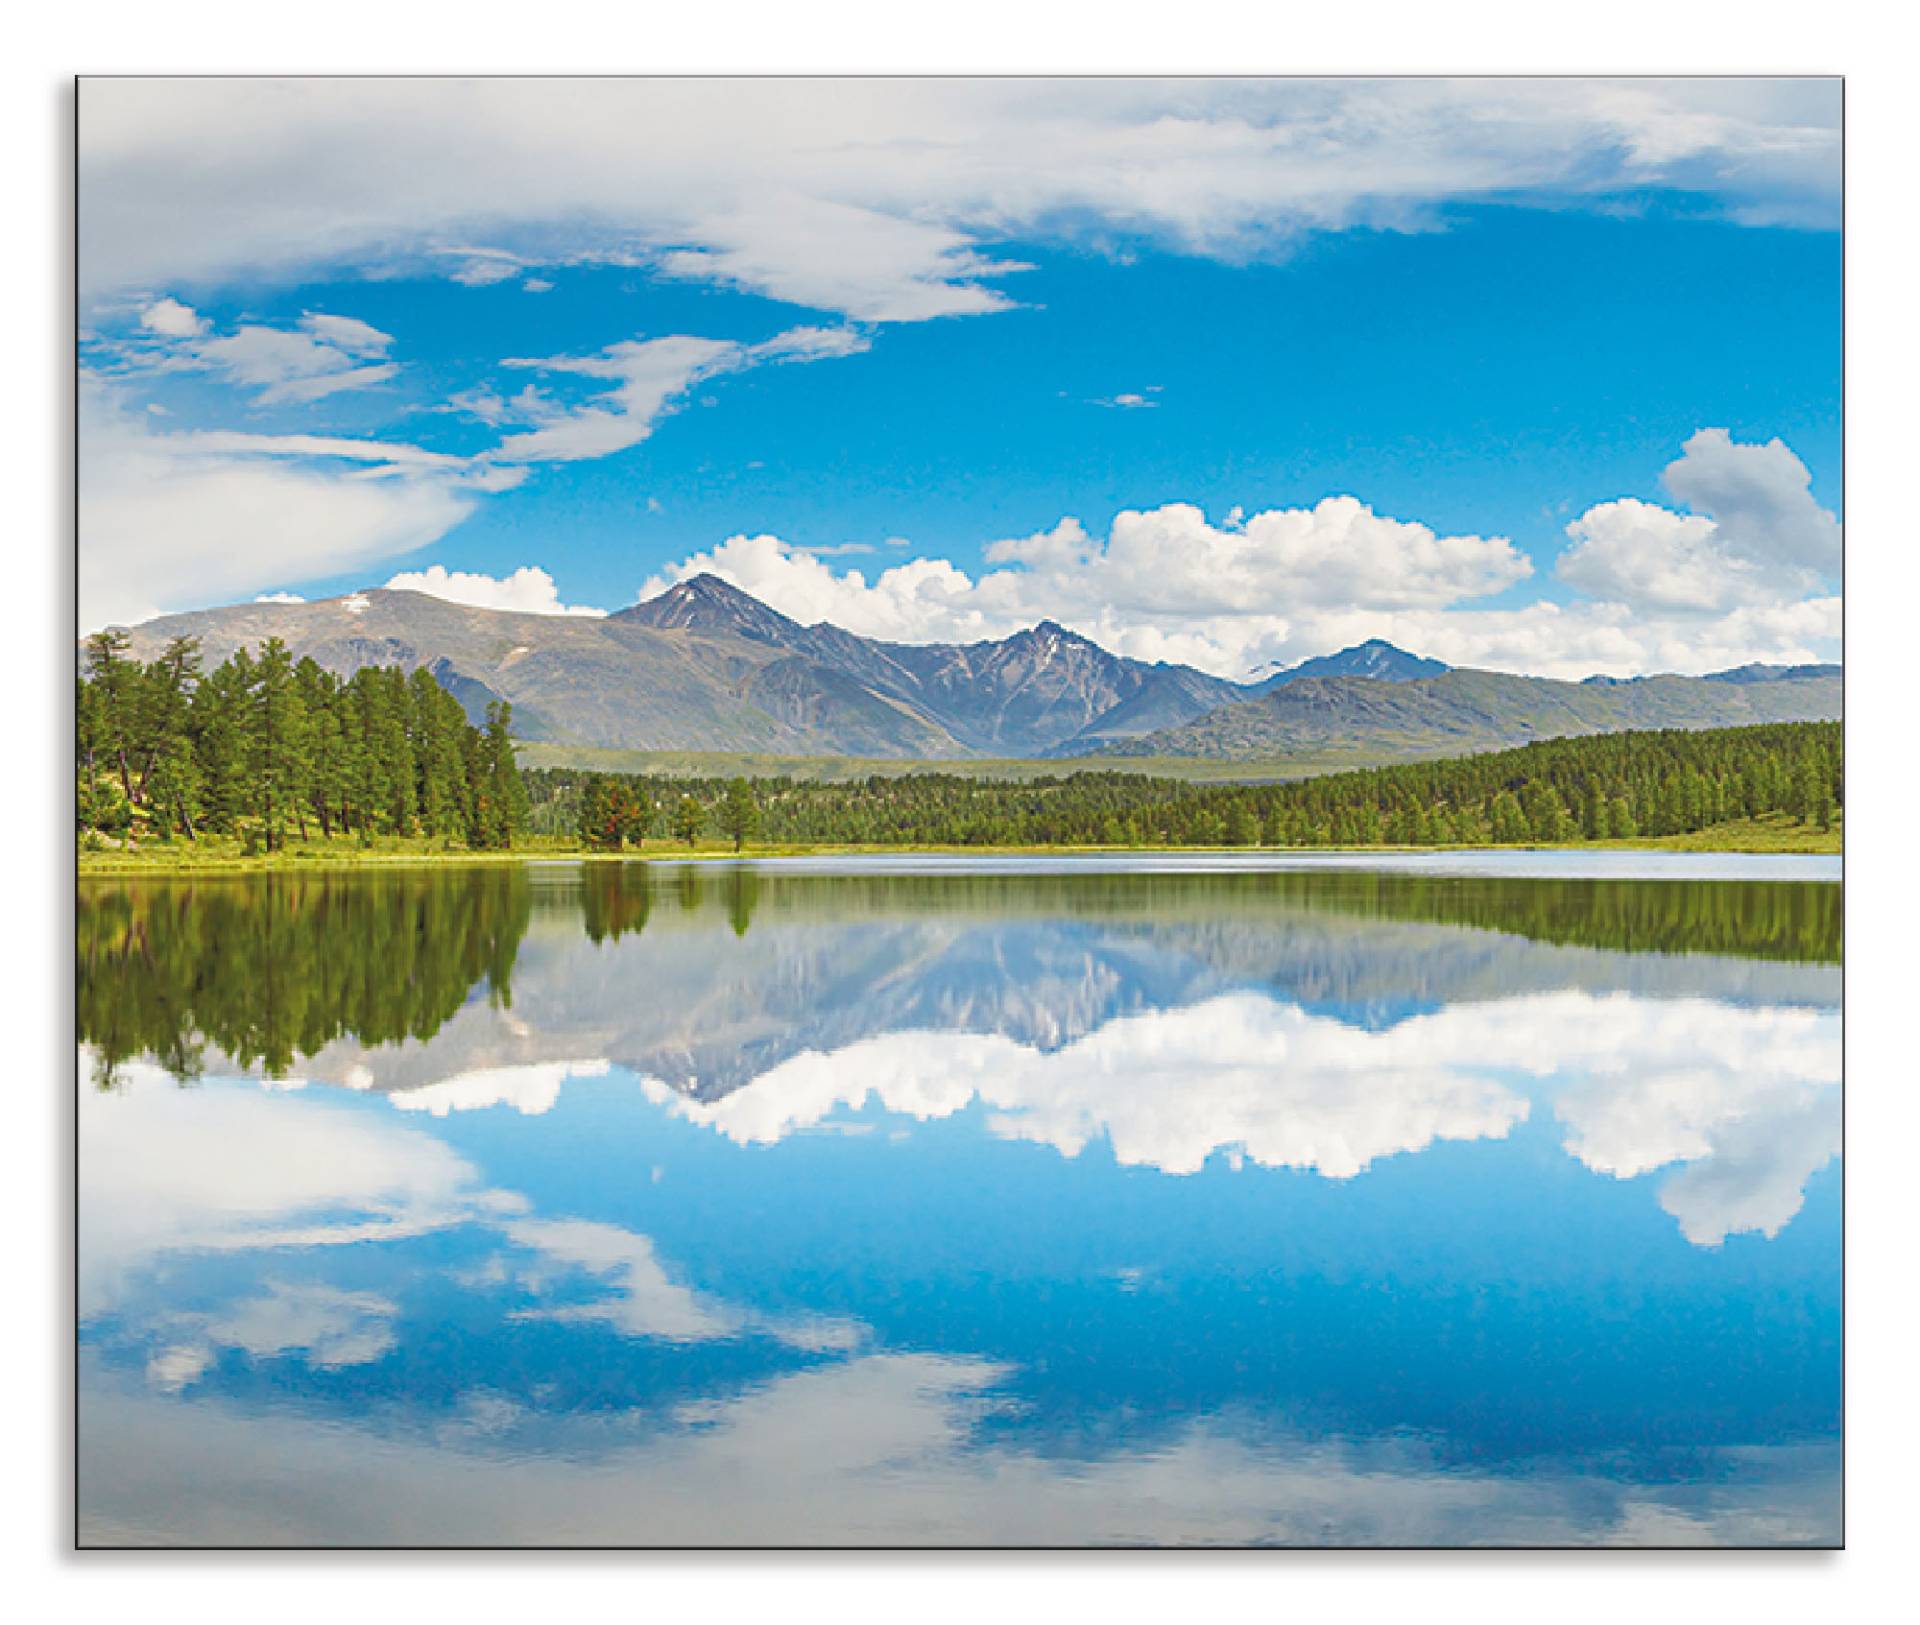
(743, 893)
(1788, 920)
(615, 898)
(272, 968)
(269, 969)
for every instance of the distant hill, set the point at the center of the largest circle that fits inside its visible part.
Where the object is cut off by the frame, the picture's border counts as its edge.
(706, 667)
(1460, 711)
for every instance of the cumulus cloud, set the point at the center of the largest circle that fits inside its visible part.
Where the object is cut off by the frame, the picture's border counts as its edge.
(1755, 533)
(528, 591)
(172, 320)
(1684, 592)
(647, 377)
(1163, 584)
(1575, 640)
(174, 521)
(882, 199)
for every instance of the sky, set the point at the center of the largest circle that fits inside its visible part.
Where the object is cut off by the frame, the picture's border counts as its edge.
(1535, 375)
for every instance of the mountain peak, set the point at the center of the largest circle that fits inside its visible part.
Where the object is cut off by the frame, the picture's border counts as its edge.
(707, 603)
(1374, 658)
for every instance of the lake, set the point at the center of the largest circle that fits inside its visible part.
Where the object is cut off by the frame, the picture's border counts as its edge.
(1017, 1202)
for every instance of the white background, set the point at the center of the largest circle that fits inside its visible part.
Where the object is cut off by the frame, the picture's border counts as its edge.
(47, 44)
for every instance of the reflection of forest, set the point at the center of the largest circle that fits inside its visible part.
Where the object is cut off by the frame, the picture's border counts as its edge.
(271, 968)
(267, 971)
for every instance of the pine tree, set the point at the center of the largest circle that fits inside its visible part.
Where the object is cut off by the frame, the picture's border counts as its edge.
(281, 744)
(739, 813)
(689, 818)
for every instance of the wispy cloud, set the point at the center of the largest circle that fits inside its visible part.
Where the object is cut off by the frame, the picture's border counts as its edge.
(322, 354)
(885, 200)
(177, 520)
(647, 378)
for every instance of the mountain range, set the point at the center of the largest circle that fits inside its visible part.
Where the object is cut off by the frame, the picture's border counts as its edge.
(704, 666)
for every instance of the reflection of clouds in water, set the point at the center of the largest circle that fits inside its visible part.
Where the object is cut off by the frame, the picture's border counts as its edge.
(645, 1302)
(882, 1449)
(1748, 1100)
(530, 1090)
(1748, 1097)
(1756, 1176)
(328, 1327)
(166, 1170)
(1166, 1089)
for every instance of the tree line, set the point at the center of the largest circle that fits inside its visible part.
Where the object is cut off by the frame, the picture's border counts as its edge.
(1599, 787)
(263, 747)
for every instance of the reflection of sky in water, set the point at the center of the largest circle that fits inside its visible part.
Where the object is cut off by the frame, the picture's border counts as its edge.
(1023, 1230)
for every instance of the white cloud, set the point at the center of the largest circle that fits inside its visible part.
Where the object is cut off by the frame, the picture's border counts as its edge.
(1676, 592)
(1755, 533)
(1636, 551)
(281, 365)
(323, 355)
(528, 591)
(1576, 640)
(347, 333)
(648, 377)
(881, 199)
(868, 263)
(1127, 401)
(175, 521)
(1164, 584)
(482, 267)
(278, 598)
(173, 320)
(1760, 497)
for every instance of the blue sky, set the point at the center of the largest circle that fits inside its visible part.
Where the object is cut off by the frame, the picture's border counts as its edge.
(1618, 320)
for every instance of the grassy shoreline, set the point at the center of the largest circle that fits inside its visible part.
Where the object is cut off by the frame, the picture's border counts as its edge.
(224, 857)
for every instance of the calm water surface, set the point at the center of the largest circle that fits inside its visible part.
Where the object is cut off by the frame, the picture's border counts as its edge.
(1048, 1203)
